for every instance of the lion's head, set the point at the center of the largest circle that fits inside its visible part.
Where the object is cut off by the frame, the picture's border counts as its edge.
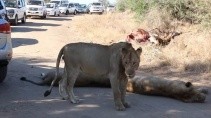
(131, 60)
(191, 94)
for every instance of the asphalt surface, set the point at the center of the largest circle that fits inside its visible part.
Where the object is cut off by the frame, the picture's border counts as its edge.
(19, 99)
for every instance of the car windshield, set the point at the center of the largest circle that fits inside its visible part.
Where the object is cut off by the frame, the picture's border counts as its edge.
(57, 2)
(49, 5)
(76, 4)
(82, 6)
(63, 5)
(1, 6)
(10, 3)
(32, 2)
(96, 4)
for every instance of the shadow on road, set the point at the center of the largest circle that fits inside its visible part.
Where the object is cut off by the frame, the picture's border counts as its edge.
(59, 18)
(36, 24)
(26, 29)
(24, 99)
(16, 42)
(56, 18)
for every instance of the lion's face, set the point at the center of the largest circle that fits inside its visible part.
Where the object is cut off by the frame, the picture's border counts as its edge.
(191, 94)
(131, 60)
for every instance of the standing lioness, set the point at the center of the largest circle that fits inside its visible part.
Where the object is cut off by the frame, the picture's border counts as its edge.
(115, 62)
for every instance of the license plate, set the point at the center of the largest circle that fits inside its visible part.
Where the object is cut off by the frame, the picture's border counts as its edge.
(33, 12)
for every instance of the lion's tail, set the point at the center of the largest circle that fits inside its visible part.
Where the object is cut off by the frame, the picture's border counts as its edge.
(48, 92)
(33, 82)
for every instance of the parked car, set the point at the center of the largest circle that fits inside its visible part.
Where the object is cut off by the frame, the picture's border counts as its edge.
(36, 8)
(59, 2)
(63, 8)
(16, 10)
(52, 9)
(82, 8)
(110, 8)
(3, 12)
(96, 7)
(5, 47)
(76, 4)
(72, 8)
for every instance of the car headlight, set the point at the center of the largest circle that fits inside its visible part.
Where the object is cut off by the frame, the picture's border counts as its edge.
(10, 12)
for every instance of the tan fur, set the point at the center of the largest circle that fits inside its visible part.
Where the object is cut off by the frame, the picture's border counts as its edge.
(141, 85)
(177, 89)
(45, 79)
(116, 62)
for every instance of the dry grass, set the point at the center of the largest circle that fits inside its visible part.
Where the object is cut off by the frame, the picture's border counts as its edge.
(189, 51)
(104, 28)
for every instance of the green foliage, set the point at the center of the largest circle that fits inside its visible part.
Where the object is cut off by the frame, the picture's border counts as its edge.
(139, 6)
(192, 11)
(121, 5)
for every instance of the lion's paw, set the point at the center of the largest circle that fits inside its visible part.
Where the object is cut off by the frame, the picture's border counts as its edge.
(75, 100)
(120, 108)
(126, 105)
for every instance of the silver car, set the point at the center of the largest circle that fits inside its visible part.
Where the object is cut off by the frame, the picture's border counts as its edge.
(68, 9)
(96, 7)
(63, 8)
(5, 47)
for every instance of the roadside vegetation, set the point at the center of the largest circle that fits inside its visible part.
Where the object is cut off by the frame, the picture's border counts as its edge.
(189, 51)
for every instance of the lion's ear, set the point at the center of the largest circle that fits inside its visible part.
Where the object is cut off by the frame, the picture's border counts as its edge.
(124, 51)
(188, 84)
(139, 51)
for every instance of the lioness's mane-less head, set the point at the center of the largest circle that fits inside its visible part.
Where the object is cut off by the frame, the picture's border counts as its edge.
(131, 60)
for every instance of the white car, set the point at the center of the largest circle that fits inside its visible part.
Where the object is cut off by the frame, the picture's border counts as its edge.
(72, 8)
(16, 10)
(36, 8)
(63, 8)
(110, 8)
(52, 9)
(5, 47)
(68, 9)
(59, 2)
(96, 7)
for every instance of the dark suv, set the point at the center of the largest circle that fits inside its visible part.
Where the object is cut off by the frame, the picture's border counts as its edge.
(3, 12)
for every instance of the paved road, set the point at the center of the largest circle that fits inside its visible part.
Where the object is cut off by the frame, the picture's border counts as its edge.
(36, 45)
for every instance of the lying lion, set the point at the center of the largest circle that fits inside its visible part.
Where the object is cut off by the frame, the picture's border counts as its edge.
(176, 89)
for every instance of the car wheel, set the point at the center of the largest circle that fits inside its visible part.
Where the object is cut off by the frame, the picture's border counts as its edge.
(3, 73)
(75, 12)
(67, 12)
(15, 21)
(44, 16)
(24, 19)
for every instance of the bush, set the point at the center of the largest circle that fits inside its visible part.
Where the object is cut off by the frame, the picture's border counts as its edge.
(191, 11)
